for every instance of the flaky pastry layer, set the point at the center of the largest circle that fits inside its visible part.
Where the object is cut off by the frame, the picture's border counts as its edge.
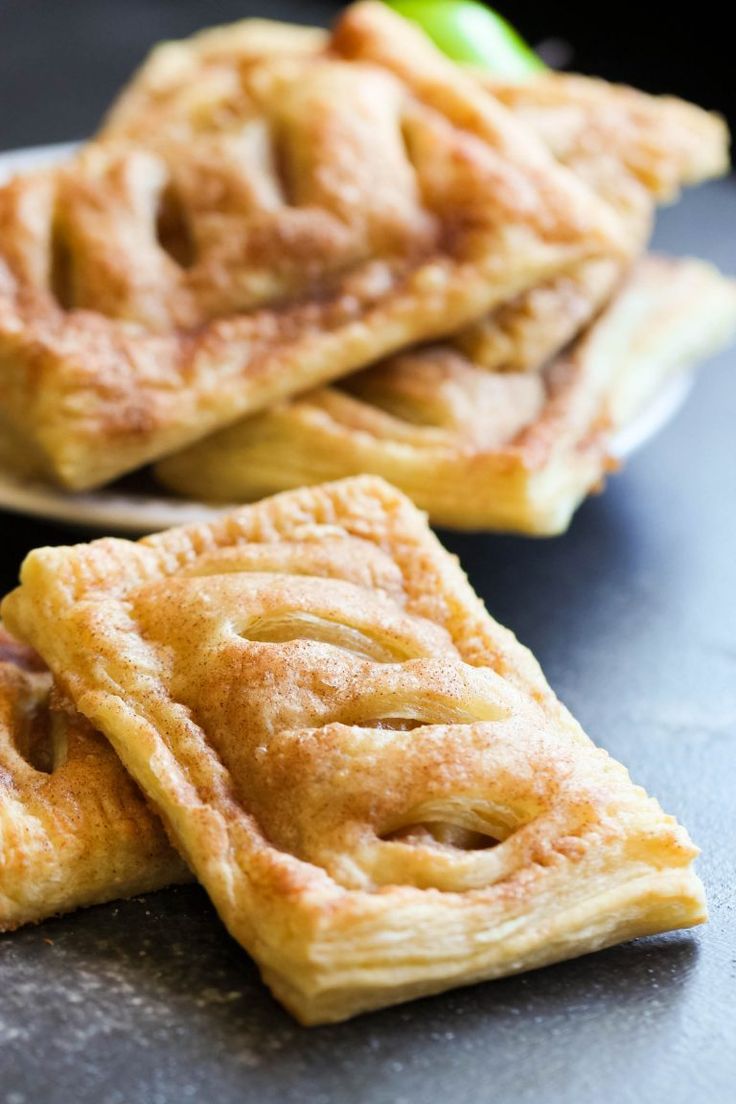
(368, 774)
(74, 828)
(633, 150)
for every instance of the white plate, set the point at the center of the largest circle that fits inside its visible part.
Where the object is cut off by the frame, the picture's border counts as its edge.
(143, 512)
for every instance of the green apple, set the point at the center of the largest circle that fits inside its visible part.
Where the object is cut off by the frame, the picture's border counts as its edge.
(472, 33)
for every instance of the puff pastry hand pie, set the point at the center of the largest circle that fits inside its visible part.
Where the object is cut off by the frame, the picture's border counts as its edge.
(480, 449)
(74, 829)
(355, 199)
(367, 773)
(630, 148)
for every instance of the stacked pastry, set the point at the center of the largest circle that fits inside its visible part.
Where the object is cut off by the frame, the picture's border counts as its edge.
(271, 209)
(303, 704)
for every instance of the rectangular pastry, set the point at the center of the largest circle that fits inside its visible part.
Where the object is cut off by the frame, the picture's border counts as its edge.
(630, 148)
(438, 419)
(368, 774)
(475, 448)
(310, 211)
(74, 828)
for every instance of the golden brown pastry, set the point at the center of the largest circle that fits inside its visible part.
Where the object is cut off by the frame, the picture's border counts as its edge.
(631, 148)
(368, 774)
(74, 829)
(358, 199)
(479, 449)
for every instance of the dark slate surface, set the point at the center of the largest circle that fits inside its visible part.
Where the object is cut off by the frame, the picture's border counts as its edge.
(633, 615)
